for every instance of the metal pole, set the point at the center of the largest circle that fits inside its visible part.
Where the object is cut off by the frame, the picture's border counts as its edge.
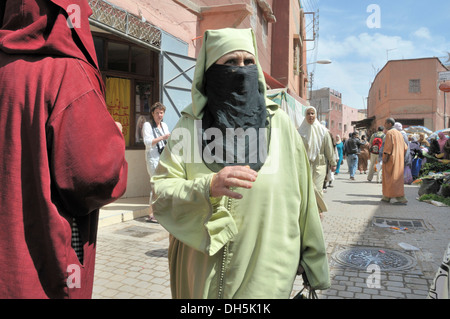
(445, 110)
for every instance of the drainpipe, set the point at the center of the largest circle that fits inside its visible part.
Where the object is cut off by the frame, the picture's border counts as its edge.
(445, 109)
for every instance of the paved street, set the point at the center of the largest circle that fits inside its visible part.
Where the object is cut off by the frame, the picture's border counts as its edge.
(132, 255)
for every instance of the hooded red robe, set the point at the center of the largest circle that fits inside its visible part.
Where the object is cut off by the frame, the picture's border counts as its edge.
(62, 156)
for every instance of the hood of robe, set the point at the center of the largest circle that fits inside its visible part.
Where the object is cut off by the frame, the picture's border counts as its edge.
(47, 27)
(313, 134)
(216, 43)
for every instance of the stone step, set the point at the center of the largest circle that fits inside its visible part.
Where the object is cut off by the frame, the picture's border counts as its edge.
(124, 209)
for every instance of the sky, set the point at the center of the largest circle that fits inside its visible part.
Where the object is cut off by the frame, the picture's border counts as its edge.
(359, 37)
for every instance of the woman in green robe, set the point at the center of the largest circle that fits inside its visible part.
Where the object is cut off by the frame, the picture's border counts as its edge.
(241, 223)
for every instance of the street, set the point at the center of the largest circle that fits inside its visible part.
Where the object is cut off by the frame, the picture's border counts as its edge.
(376, 250)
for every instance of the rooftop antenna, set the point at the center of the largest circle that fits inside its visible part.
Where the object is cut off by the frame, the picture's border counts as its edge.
(387, 53)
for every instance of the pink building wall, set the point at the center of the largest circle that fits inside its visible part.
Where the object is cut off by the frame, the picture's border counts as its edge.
(187, 20)
(166, 15)
(390, 94)
(335, 118)
(349, 115)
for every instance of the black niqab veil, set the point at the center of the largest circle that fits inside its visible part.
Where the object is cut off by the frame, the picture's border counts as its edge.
(236, 113)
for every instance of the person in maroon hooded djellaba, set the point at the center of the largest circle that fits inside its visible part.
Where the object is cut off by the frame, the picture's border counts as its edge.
(62, 155)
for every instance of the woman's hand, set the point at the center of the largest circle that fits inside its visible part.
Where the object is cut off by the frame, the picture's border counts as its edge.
(159, 139)
(232, 176)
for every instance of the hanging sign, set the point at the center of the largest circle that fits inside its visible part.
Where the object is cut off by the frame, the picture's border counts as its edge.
(444, 76)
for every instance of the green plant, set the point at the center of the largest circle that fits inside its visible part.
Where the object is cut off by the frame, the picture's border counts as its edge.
(434, 167)
(445, 200)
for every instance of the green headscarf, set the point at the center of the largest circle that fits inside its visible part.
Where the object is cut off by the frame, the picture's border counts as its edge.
(235, 111)
(217, 43)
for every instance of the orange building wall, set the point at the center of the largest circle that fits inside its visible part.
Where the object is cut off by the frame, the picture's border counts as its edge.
(390, 97)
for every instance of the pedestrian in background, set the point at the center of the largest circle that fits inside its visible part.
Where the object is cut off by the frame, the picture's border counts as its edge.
(393, 164)
(444, 145)
(225, 216)
(351, 151)
(416, 155)
(329, 177)
(155, 134)
(423, 141)
(434, 149)
(446, 150)
(376, 142)
(442, 140)
(320, 149)
(62, 155)
(408, 178)
(340, 152)
(363, 156)
(330, 173)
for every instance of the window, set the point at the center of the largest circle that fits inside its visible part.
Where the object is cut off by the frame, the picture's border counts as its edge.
(129, 73)
(414, 86)
(99, 45)
(118, 56)
(265, 31)
(296, 57)
(140, 61)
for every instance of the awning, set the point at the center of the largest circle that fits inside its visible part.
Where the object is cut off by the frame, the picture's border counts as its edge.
(272, 82)
(294, 109)
(366, 123)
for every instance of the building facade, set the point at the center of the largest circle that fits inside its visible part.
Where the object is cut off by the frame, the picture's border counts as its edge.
(338, 117)
(147, 52)
(408, 91)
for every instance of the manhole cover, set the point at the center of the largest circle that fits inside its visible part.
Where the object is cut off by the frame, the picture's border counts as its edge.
(363, 257)
(136, 231)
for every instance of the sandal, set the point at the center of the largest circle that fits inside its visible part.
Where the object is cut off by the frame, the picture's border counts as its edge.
(151, 219)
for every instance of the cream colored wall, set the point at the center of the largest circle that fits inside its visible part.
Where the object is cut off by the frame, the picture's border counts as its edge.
(138, 184)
